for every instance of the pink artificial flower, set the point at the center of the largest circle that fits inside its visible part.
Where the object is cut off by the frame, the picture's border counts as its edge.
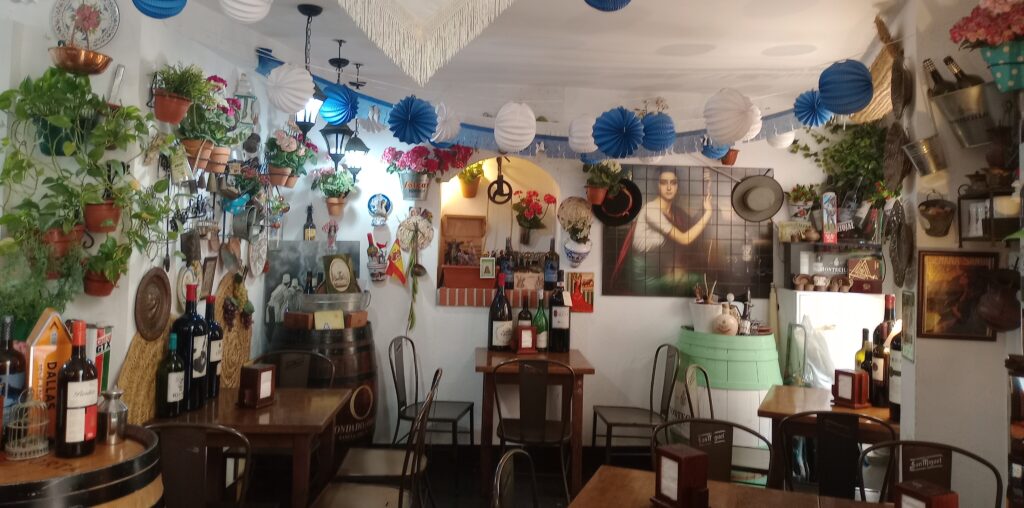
(233, 104)
(999, 6)
(280, 136)
(289, 145)
(528, 213)
(391, 154)
(536, 208)
(984, 28)
(87, 18)
(302, 151)
(431, 165)
(549, 199)
(219, 81)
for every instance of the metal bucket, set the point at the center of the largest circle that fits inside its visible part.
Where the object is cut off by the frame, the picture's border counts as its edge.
(414, 185)
(926, 155)
(938, 214)
(967, 114)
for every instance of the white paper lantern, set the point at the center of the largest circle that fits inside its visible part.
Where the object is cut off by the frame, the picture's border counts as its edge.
(731, 116)
(782, 140)
(651, 159)
(448, 124)
(246, 11)
(289, 88)
(514, 127)
(581, 134)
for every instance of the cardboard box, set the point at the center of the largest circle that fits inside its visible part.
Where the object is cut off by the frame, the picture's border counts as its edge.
(298, 320)
(357, 319)
(50, 348)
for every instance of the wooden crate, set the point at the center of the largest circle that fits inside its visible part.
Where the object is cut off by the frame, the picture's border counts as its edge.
(467, 232)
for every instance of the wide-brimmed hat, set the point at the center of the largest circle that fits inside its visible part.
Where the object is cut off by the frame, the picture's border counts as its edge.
(621, 208)
(757, 198)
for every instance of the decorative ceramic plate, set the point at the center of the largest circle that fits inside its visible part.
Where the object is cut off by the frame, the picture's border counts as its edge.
(379, 206)
(188, 274)
(153, 304)
(573, 207)
(258, 254)
(419, 219)
(99, 18)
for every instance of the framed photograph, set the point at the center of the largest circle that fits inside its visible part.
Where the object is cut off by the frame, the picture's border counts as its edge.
(487, 268)
(341, 277)
(209, 274)
(909, 305)
(950, 286)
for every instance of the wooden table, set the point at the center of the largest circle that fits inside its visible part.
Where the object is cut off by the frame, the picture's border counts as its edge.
(485, 363)
(294, 421)
(616, 487)
(783, 401)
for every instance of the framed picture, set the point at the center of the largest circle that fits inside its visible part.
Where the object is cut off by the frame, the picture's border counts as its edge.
(909, 305)
(209, 274)
(341, 277)
(487, 268)
(950, 286)
(581, 287)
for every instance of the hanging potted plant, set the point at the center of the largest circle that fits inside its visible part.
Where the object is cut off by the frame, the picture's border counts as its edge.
(800, 199)
(469, 179)
(335, 186)
(287, 154)
(419, 165)
(224, 132)
(530, 211)
(996, 29)
(176, 88)
(576, 220)
(106, 266)
(61, 107)
(602, 180)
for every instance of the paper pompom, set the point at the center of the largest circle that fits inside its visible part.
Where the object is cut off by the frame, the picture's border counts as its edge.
(246, 11)
(809, 110)
(514, 127)
(160, 9)
(341, 105)
(783, 140)
(659, 132)
(608, 5)
(618, 132)
(581, 134)
(731, 116)
(448, 125)
(712, 151)
(289, 88)
(846, 87)
(412, 120)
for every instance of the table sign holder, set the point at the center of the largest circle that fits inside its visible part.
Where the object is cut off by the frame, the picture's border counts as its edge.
(256, 387)
(681, 478)
(923, 494)
(526, 340)
(851, 389)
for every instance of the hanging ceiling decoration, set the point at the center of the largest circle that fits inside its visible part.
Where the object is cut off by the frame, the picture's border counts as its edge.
(157, 9)
(846, 87)
(448, 125)
(618, 132)
(341, 104)
(246, 11)
(412, 120)
(731, 116)
(713, 151)
(808, 109)
(581, 134)
(289, 88)
(608, 5)
(659, 132)
(420, 47)
(782, 140)
(515, 126)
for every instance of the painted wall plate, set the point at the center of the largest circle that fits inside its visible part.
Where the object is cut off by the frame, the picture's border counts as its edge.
(100, 17)
(153, 304)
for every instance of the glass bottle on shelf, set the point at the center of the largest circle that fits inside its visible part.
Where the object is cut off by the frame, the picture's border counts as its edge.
(540, 322)
(77, 395)
(309, 228)
(12, 374)
(170, 381)
(499, 319)
(880, 355)
(216, 336)
(895, 376)
(191, 330)
(550, 267)
(561, 320)
(963, 80)
(940, 85)
(862, 360)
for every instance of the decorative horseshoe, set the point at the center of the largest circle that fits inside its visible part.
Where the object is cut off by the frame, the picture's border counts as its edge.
(499, 191)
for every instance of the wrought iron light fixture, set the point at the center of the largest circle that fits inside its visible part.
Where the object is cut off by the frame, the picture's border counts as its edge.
(336, 136)
(306, 118)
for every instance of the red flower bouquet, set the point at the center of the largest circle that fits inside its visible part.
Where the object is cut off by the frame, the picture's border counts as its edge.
(530, 210)
(996, 28)
(423, 160)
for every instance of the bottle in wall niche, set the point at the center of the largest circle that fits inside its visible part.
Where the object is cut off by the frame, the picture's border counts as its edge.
(939, 84)
(525, 317)
(170, 381)
(895, 376)
(308, 287)
(499, 320)
(963, 80)
(215, 335)
(561, 321)
(540, 322)
(77, 394)
(880, 355)
(508, 265)
(309, 228)
(550, 267)
(12, 374)
(191, 330)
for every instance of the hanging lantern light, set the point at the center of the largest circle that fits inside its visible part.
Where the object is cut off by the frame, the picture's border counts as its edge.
(809, 111)
(305, 118)
(618, 132)
(783, 140)
(289, 88)
(335, 137)
(355, 153)
(730, 117)
(515, 126)
(846, 87)
(246, 11)
(659, 132)
(248, 114)
(581, 134)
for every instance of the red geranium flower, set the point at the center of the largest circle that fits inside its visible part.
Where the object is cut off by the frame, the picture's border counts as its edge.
(549, 199)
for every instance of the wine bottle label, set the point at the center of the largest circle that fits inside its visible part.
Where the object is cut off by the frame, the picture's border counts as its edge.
(896, 376)
(81, 413)
(175, 386)
(542, 340)
(560, 318)
(309, 234)
(199, 358)
(266, 384)
(550, 271)
(501, 331)
(82, 393)
(216, 350)
(878, 369)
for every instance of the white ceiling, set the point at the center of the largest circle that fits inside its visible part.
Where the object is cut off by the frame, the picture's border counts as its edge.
(541, 51)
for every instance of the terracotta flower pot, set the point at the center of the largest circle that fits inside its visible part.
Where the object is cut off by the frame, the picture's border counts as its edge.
(102, 217)
(219, 157)
(198, 151)
(279, 175)
(469, 189)
(60, 243)
(292, 180)
(730, 157)
(335, 206)
(596, 195)
(97, 284)
(170, 108)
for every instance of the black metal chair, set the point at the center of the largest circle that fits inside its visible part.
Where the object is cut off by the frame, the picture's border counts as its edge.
(300, 369)
(638, 417)
(405, 365)
(532, 427)
(196, 459)
(922, 460)
(836, 450)
(714, 437)
(691, 379)
(412, 489)
(505, 494)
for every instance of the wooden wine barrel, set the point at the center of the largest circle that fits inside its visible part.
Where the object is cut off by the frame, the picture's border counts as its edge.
(355, 363)
(123, 475)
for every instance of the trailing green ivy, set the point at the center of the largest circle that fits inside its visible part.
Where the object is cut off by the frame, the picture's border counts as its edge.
(850, 155)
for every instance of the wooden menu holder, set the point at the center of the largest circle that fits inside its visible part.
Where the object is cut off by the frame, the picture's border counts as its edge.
(851, 389)
(681, 478)
(922, 494)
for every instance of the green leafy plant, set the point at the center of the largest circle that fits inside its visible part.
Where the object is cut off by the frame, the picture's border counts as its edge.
(604, 174)
(188, 81)
(333, 184)
(110, 259)
(801, 193)
(25, 290)
(850, 155)
(472, 172)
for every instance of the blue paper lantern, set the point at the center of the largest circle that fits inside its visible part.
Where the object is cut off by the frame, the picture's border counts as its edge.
(159, 9)
(618, 132)
(714, 151)
(443, 146)
(809, 110)
(341, 105)
(594, 157)
(846, 87)
(608, 5)
(412, 120)
(266, 61)
(659, 132)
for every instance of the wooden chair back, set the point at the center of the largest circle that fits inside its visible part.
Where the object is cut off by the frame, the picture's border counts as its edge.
(196, 461)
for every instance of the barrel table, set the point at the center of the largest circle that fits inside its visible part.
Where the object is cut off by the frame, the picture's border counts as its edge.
(123, 475)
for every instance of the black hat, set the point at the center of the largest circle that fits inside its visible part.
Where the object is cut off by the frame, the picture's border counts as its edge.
(621, 208)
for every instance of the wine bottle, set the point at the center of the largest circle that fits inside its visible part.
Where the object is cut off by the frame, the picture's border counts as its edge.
(215, 334)
(309, 229)
(540, 322)
(963, 80)
(895, 375)
(508, 265)
(499, 330)
(77, 393)
(191, 330)
(170, 381)
(550, 267)
(880, 355)
(745, 316)
(308, 288)
(862, 360)
(525, 317)
(558, 337)
(939, 84)
(12, 375)
(319, 282)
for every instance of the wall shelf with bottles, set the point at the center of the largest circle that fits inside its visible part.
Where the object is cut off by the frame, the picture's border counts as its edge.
(480, 297)
(804, 257)
(977, 217)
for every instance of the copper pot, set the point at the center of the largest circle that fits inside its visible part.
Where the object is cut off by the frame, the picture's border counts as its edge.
(999, 306)
(79, 60)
